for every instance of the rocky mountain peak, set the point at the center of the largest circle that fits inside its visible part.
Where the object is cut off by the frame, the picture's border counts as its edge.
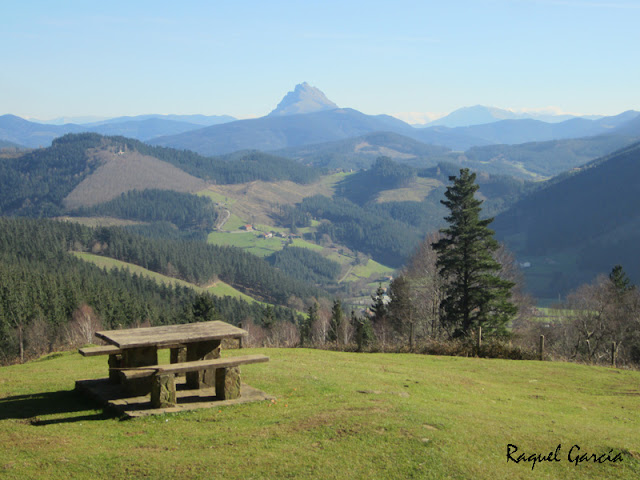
(303, 99)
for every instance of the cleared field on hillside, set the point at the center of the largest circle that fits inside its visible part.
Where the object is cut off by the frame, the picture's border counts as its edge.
(100, 221)
(417, 192)
(220, 288)
(120, 173)
(256, 201)
(337, 416)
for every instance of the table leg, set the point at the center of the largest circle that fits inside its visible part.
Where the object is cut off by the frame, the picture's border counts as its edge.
(202, 351)
(138, 357)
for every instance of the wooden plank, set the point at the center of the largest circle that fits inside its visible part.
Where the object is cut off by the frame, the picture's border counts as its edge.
(213, 363)
(171, 334)
(103, 350)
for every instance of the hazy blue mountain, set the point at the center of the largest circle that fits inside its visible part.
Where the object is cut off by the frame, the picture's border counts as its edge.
(278, 132)
(540, 160)
(201, 120)
(476, 115)
(579, 224)
(30, 134)
(480, 114)
(303, 99)
(80, 120)
(8, 144)
(631, 127)
(143, 129)
(512, 132)
(361, 152)
(453, 138)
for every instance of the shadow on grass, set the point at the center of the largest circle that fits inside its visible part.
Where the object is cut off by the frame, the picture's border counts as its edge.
(32, 407)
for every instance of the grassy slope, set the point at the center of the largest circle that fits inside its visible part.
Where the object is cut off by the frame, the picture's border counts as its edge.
(220, 288)
(253, 202)
(338, 415)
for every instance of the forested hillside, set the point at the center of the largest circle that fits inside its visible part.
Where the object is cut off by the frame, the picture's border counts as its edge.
(45, 291)
(362, 152)
(545, 159)
(187, 212)
(38, 182)
(590, 214)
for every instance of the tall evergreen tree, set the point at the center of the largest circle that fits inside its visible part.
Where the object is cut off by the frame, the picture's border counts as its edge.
(336, 321)
(378, 306)
(363, 331)
(306, 326)
(620, 280)
(475, 295)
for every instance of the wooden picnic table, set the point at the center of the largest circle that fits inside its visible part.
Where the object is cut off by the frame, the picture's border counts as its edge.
(188, 342)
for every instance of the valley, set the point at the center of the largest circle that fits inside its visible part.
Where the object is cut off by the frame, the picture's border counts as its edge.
(337, 204)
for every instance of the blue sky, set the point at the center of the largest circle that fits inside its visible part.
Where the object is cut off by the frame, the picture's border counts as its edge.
(72, 58)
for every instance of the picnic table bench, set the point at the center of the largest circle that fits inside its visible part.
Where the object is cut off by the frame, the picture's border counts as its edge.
(195, 352)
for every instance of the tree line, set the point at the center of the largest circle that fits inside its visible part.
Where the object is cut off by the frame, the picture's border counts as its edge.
(305, 265)
(42, 286)
(186, 211)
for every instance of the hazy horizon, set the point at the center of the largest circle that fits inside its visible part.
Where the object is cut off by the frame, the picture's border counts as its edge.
(413, 60)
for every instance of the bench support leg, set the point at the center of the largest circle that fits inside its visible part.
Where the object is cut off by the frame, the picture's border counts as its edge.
(163, 391)
(202, 351)
(228, 383)
(178, 355)
(115, 362)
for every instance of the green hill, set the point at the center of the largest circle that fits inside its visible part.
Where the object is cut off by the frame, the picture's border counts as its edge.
(362, 152)
(542, 160)
(336, 416)
(588, 217)
(87, 169)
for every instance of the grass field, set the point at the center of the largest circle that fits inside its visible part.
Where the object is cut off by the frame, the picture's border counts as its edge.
(337, 415)
(417, 192)
(219, 289)
(248, 241)
(100, 221)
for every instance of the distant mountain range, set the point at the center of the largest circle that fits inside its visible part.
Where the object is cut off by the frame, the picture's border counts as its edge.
(278, 132)
(202, 120)
(480, 114)
(30, 134)
(306, 117)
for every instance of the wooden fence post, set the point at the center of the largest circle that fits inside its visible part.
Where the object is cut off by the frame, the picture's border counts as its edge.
(541, 349)
(479, 339)
(411, 337)
(240, 338)
(613, 354)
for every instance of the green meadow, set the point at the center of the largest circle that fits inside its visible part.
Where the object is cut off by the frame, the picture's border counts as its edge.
(337, 416)
(219, 289)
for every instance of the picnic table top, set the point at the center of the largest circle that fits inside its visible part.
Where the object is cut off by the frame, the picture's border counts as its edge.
(171, 334)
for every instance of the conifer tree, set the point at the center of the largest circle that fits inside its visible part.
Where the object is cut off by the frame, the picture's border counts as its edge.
(363, 331)
(336, 321)
(306, 326)
(378, 306)
(620, 280)
(475, 295)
